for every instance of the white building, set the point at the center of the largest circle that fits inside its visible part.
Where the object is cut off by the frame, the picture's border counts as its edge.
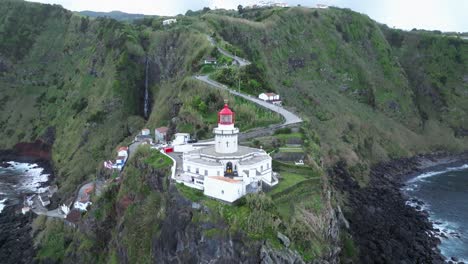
(322, 6)
(181, 139)
(122, 151)
(270, 97)
(225, 170)
(160, 134)
(144, 136)
(44, 199)
(210, 60)
(169, 21)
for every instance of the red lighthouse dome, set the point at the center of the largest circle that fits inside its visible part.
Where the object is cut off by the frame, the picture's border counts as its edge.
(226, 116)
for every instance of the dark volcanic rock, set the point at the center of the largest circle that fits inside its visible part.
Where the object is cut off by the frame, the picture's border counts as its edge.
(16, 245)
(183, 241)
(385, 229)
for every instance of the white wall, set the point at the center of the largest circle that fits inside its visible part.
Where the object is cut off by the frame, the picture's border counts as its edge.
(183, 148)
(122, 153)
(181, 138)
(211, 170)
(223, 190)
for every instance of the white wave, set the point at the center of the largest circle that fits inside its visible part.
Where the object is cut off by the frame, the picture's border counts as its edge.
(2, 204)
(32, 176)
(434, 173)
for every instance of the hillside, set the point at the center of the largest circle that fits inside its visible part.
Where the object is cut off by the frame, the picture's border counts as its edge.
(117, 15)
(367, 94)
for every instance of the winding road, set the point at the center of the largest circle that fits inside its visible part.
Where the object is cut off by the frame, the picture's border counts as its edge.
(289, 117)
(240, 61)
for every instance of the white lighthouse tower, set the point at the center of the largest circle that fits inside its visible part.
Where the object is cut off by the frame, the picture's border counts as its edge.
(226, 134)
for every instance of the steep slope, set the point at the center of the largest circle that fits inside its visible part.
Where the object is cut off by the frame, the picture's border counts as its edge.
(367, 93)
(359, 92)
(69, 75)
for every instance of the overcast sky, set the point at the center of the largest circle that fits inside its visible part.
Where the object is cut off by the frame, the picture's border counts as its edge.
(445, 15)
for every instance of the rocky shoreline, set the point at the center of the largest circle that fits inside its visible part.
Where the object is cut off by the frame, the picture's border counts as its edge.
(383, 226)
(16, 241)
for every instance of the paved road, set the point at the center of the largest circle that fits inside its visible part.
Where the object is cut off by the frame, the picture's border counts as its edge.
(132, 149)
(41, 210)
(240, 61)
(289, 117)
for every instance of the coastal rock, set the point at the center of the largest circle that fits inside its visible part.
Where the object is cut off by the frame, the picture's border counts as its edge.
(270, 255)
(16, 244)
(284, 239)
(383, 227)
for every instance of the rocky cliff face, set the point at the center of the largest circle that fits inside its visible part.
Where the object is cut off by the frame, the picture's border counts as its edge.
(384, 228)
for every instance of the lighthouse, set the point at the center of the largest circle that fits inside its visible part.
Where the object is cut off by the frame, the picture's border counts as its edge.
(226, 134)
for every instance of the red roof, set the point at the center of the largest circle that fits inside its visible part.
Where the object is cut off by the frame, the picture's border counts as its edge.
(74, 216)
(226, 116)
(89, 189)
(270, 94)
(226, 179)
(226, 110)
(123, 148)
(162, 129)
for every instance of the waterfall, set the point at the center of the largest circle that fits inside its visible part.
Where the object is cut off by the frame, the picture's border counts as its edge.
(146, 101)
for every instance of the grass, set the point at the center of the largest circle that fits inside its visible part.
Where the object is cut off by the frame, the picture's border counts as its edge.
(157, 160)
(192, 194)
(287, 181)
(291, 149)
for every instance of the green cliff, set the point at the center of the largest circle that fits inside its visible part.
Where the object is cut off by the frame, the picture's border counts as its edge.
(367, 94)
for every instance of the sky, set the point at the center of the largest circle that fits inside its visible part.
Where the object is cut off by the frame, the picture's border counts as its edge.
(445, 15)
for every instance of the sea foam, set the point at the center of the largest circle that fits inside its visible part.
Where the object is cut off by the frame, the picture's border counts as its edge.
(434, 173)
(2, 204)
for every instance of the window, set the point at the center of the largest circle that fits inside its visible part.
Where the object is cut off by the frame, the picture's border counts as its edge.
(197, 171)
(206, 172)
(261, 168)
(222, 191)
(227, 144)
(219, 174)
(268, 165)
(188, 168)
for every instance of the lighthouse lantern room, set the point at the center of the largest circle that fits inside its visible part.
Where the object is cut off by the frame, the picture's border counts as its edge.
(226, 134)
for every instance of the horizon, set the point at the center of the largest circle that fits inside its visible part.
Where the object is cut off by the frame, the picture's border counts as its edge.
(446, 16)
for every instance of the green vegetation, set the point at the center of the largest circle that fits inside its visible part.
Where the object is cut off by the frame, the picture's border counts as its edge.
(281, 209)
(368, 93)
(200, 104)
(157, 160)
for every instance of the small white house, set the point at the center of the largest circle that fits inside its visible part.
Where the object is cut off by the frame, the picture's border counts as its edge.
(145, 136)
(169, 21)
(44, 199)
(160, 134)
(270, 97)
(25, 209)
(145, 132)
(122, 152)
(181, 138)
(322, 6)
(82, 206)
(210, 61)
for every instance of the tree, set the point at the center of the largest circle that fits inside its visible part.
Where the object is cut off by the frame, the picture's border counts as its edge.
(206, 9)
(240, 9)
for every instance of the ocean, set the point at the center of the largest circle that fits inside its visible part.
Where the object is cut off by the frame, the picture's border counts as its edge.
(444, 195)
(19, 180)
